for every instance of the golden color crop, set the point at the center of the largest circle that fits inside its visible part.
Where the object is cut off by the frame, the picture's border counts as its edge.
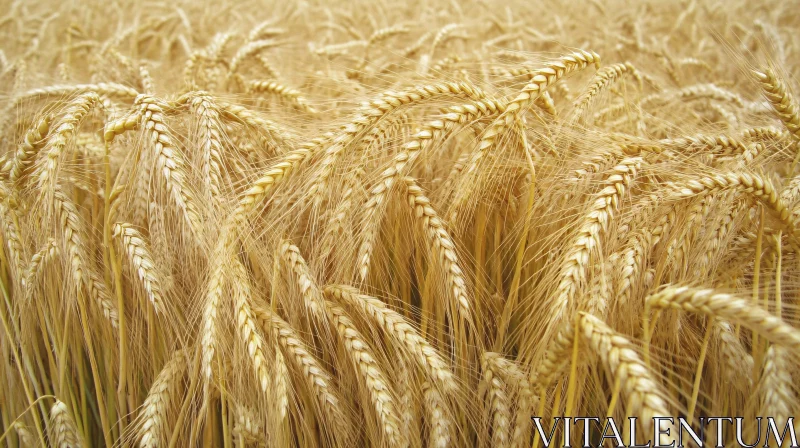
(388, 223)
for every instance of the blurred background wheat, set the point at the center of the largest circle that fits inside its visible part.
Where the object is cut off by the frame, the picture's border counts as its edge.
(394, 223)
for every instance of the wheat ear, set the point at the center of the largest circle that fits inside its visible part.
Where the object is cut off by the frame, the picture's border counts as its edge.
(72, 232)
(249, 49)
(247, 425)
(386, 104)
(243, 115)
(281, 385)
(63, 432)
(603, 79)
(9, 220)
(108, 89)
(64, 130)
(739, 363)
(291, 95)
(207, 112)
(500, 405)
(169, 160)
(319, 381)
(510, 372)
(757, 186)
(433, 131)
(777, 386)
(543, 78)
(248, 330)
(555, 359)
(141, 260)
(374, 378)
(572, 273)
(400, 331)
(781, 99)
(48, 251)
(305, 280)
(439, 420)
(727, 306)
(441, 243)
(31, 144)
(159, 401)
(645, 396)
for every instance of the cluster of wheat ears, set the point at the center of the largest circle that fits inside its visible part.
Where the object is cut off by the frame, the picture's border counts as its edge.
(394, 223)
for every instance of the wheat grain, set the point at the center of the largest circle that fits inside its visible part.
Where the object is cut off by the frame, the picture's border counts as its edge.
(141, 260)
(645, 396)
(401, 331)
(63, 432)
(159, 400)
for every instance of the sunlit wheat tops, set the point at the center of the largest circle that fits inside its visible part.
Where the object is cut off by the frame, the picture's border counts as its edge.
(372, 223)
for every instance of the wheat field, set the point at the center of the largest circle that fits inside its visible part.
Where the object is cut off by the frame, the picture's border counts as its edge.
(388, 223)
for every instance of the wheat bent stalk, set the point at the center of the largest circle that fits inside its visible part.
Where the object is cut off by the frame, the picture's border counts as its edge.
(138, 251)
(401, 331)
(433, 131)
(442, 244)
(155, 410)
(169, 160)
(730, 307)
(386, 104)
